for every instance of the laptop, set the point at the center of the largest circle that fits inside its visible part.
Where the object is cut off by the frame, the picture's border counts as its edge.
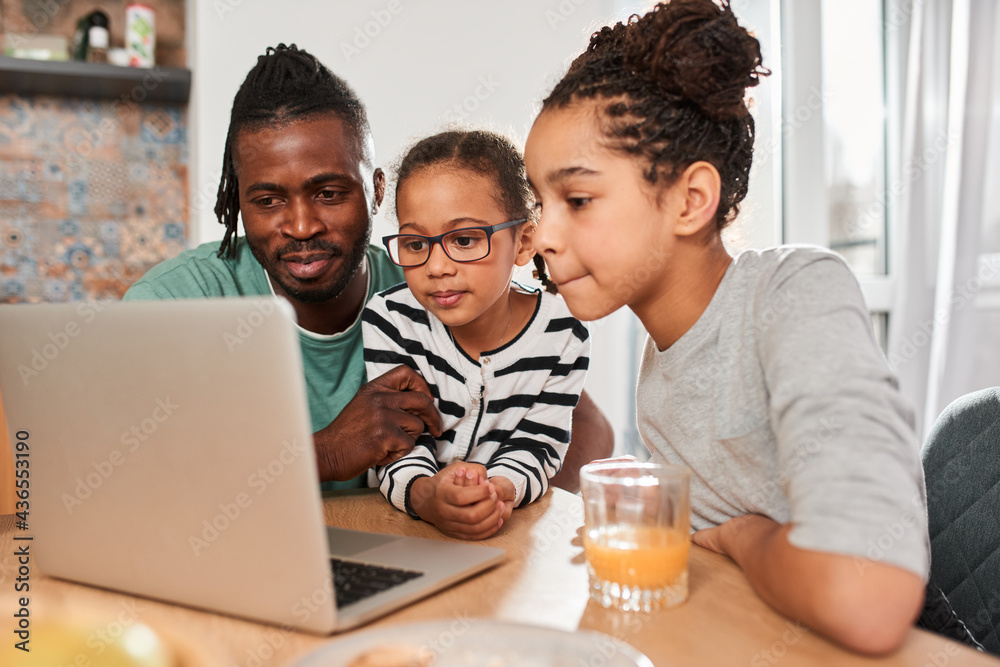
(171, 456)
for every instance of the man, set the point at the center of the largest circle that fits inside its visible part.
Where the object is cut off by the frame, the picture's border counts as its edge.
(299, 167)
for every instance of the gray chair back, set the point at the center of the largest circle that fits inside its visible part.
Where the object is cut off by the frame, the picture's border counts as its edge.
(962, 467)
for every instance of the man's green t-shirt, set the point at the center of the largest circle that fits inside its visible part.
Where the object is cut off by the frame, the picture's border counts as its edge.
(334, 365)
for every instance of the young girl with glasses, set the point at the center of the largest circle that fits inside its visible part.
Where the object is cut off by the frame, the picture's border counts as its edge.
(505, 363)
(761, 371)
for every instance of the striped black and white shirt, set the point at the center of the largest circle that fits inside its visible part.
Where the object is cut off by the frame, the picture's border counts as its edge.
(509, 410)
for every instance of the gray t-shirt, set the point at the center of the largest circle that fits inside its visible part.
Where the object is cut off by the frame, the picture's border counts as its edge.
(782, 404)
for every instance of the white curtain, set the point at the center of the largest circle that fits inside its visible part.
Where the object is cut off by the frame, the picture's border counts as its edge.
(944, 335)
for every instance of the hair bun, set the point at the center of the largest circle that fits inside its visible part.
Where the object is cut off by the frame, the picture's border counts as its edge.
(695, 50)
(280, 48)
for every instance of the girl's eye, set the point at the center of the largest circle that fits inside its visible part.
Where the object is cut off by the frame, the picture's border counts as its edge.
(578, 202)
(414, 245)
(465, 241)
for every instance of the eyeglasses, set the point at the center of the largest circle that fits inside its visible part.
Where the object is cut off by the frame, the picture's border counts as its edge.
(469, 244)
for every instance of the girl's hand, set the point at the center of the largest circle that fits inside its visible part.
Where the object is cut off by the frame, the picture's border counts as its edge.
(458, 504)
(735, 535)
(468, 474)
(506, 493)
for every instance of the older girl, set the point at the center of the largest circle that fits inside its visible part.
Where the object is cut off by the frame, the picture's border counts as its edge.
(761, 372)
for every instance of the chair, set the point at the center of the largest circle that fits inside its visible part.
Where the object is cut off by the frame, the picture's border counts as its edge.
(962, 467)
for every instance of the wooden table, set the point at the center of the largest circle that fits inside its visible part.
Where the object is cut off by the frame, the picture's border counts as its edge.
(542, 582)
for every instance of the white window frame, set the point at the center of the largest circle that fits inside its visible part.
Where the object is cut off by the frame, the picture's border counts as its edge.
(805, 212)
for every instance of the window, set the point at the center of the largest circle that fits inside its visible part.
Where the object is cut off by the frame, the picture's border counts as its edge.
(854, 131)
(823, 134)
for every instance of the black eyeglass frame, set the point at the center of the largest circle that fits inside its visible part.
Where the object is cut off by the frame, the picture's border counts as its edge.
(431, 240)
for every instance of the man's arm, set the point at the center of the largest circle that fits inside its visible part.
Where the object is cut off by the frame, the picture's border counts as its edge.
(591, 438)
(862, 604)
(378, 426)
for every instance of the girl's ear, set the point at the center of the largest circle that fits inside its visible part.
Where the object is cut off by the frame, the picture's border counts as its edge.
(525, 243)
(699, 186)
(378, 180)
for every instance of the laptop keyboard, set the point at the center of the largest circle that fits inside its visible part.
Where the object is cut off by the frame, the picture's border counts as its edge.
(354, 581)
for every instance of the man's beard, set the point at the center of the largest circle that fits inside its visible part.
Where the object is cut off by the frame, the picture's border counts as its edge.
(301, 290)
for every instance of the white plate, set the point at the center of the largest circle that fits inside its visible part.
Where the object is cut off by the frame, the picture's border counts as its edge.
(472, 643)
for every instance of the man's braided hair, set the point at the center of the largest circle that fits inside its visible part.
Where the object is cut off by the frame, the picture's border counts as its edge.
(287, 84)
(671, 85)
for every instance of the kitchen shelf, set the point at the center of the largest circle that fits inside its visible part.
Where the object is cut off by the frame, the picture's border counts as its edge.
(73, 78)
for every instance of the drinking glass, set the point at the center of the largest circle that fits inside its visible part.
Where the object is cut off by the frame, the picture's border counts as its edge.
(637, 527)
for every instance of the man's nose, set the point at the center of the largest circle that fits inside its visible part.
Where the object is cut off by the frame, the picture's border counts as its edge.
(302, 221)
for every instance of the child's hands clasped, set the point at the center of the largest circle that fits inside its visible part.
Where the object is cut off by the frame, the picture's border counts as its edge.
(462, 502)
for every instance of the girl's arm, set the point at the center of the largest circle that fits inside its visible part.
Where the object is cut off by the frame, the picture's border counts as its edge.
(851, 560)
(533, 453)
(863, 604)
(397, 479)
(383, 351)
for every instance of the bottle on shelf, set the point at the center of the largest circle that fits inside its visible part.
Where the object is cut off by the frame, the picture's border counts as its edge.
(85, 31)
(97, 44)
(140, 34)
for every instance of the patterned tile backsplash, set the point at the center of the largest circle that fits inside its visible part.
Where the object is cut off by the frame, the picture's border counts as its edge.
(92, 194)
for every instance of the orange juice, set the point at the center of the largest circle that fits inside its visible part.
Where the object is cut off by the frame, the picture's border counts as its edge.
(643, 556)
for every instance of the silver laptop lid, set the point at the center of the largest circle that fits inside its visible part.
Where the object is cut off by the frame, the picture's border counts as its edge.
(171, 453)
